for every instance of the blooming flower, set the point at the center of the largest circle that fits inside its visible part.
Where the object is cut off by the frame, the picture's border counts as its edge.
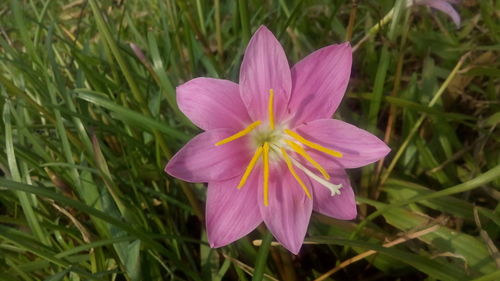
(441, 5)
(270, 151)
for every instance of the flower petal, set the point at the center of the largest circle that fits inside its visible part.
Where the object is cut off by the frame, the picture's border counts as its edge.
(319, 83)
(341, 206)
(212, 103)
(264, 67)
(289, 210)
(359, 147)
(201, 161)
(446, 8)
(231, 212)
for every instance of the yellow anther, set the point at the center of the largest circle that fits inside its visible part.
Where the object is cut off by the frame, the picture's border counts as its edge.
(292, 171)
(297, 148)
(313, 145)
(250, 166)
(240, 133)
(265, 158)
(271, 108)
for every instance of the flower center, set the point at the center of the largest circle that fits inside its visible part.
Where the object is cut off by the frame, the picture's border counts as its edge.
(272, 142)
(259, 137)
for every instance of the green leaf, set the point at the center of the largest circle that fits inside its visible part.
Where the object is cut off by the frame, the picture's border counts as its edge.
(58, 276)
(26, 202)
(129, 115)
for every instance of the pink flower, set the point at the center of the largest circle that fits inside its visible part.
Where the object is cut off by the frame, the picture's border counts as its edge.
(270, 151)
(443, 6)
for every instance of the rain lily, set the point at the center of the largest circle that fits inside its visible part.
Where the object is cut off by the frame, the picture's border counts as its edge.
(270, 151)
(441, 5)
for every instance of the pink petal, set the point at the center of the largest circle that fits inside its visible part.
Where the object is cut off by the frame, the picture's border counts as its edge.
(444, 7)
(319, 82)
(201, 161)
(264, 67)
(289, 210)
(341, 206)
(231, 212)
(212, 103)
(359, 147)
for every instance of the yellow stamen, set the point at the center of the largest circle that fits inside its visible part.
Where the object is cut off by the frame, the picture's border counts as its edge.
(250, 166)
(313, 145)
(294, 174)
(271, 109)
(265, 158)
(240, 133)
(297, 148)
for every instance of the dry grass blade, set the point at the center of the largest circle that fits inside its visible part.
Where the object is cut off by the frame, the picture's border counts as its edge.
(85, 233)
(492, 248)
(361, 256)
(245, 267)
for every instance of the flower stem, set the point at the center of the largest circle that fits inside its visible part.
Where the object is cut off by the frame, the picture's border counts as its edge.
(260, 262)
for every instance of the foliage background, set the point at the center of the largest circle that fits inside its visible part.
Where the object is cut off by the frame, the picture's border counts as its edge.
(88, 125)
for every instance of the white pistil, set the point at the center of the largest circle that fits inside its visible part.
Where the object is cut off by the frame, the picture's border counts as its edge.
(334, 188)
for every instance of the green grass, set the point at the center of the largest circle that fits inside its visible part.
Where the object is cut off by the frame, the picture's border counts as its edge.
(88, 126)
